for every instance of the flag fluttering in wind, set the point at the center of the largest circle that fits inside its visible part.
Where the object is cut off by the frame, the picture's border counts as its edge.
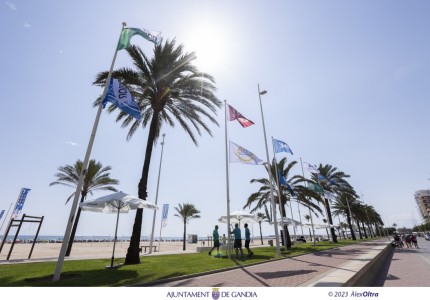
(1, 214)
(322, 178)
(128, 33)
(282, 181)
(164, 215)
(315, 188)
(281, 146)
(235, 115)
(121, 98)
(240, 154)
(312, 168)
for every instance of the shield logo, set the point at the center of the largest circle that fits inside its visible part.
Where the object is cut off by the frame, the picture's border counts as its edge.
(215, 293)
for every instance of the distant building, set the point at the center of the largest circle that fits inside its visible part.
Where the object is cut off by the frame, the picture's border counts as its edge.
(422, 198)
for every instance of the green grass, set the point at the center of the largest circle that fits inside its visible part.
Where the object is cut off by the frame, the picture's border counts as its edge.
(87, 273)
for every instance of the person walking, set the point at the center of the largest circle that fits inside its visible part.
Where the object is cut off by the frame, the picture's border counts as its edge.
(237, 240)
(216, 241)
(248, 240)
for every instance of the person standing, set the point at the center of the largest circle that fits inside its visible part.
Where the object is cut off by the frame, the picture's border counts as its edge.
(216, 241)
(248, 240)
(237, 241)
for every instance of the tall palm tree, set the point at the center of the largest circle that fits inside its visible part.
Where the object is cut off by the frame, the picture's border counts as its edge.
(261, 218)
(186, 212)
(169, 90)
(262, 196)
(331, 180)
(97, 178)
(342, 206)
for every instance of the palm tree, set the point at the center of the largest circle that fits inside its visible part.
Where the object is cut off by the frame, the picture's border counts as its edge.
(342, 206)
(262, 196)
(261, 218)
(168, 89)
(96, 179)
(331, 180)
(186, 212)
(308, 218)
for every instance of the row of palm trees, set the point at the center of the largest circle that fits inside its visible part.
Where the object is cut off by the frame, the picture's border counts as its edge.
(327, 187)
(170, 90)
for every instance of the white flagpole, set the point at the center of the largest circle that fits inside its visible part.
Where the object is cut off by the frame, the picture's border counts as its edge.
(66, 238)
(156, 198)
(5, 216)
(228, 184)
(279, 196)
(310, 213)
(275, 222)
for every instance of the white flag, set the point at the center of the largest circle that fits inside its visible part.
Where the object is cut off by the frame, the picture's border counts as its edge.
(240, 154)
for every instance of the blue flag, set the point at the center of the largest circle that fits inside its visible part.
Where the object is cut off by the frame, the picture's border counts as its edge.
(1, 214)
(282, 181)
(121, 98)
(280, 146)
(20, 202)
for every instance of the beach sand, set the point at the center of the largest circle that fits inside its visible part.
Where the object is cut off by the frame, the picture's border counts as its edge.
(91, 250)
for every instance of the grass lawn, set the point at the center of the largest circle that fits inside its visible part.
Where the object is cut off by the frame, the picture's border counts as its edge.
(90, 273)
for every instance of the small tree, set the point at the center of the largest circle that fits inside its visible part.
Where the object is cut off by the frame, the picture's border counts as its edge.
(186, 212)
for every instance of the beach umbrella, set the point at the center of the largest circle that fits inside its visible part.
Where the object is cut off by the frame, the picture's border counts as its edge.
(116, 203)
(240, 216)
(288, 221)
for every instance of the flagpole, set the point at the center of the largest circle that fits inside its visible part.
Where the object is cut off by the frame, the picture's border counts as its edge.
(228, 184)
(279, 196)
(275, 222)
(156, 197)
(310, 213)
(5, 219)
(66, 238)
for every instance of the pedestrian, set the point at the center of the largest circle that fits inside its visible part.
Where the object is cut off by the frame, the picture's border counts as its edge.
(224, 240)
(248, 240)
(414, 241)
(216, 241)
(237, 241)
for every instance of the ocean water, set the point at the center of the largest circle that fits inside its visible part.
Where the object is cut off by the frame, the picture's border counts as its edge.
(94, 238)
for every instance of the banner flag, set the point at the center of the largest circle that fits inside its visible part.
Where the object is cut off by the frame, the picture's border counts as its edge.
(128, 33)
(240, 154)
(281, 146)
(20, 202)
(235, 115)
(121, 98)
(316, 188)
(1, 214)
(164, 215)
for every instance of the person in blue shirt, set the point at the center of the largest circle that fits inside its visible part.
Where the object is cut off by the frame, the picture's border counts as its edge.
(248, 240)
(216, 241)
(237, 240)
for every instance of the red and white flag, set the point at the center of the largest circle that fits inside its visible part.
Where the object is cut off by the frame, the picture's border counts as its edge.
(235, 115)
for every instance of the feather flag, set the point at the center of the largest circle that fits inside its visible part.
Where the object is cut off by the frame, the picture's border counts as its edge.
(240, 154)
(233, 114)
(312, 168)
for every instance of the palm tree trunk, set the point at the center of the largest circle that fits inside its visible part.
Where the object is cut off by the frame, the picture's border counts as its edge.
(364, 230)
(359, 230)
(75, 226)
(261, 234)
(185, 234)
(351, 229)
(133, 256)
(330, 221)
(287, 233)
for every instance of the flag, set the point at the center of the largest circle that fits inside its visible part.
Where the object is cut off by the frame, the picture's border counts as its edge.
(164, 215)
(315, 188)
(280, 146)
(121, 98)
(128, 33)
(240, 154)
(235, 115)
(312, 168)
(322, 178)
(282, 181)
(20, 202)
(1, 214)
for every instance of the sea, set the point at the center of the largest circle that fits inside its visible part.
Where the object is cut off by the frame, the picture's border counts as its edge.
(83, 239)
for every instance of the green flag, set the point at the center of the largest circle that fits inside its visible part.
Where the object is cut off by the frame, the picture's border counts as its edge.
(128, 33)
(315, 188)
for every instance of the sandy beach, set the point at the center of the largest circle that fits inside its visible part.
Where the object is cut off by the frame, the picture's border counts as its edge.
(90, 250)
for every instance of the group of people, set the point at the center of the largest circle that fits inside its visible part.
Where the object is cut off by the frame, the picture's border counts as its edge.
(237, 240)
(409, 240)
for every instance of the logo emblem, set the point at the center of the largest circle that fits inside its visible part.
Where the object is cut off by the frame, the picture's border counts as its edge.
(215, 293)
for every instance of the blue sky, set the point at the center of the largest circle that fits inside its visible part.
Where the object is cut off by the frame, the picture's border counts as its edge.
(347, 85)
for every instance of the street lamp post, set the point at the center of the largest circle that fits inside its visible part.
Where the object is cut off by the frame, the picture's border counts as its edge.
(275, 223)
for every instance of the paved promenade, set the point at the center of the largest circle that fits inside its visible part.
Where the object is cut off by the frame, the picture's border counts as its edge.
(335, 267)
